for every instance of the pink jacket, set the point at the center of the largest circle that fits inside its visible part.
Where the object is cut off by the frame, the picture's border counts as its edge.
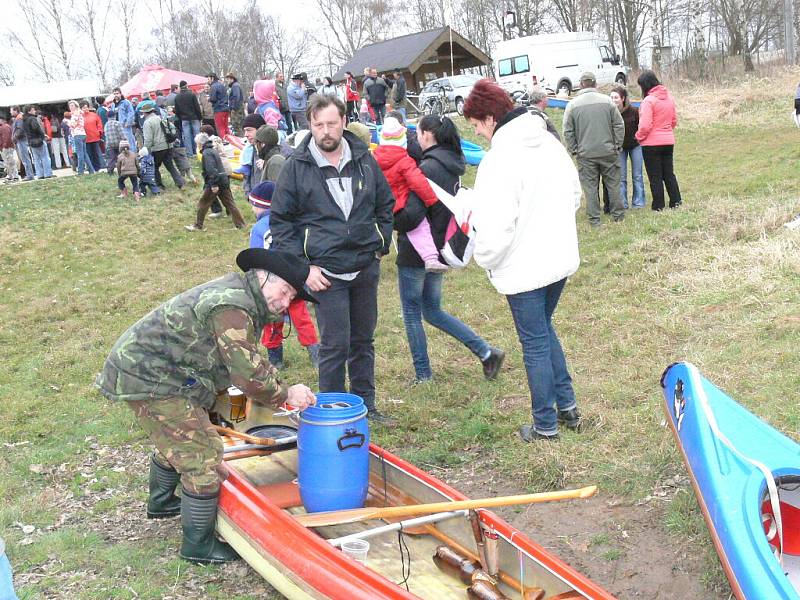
(657, 119)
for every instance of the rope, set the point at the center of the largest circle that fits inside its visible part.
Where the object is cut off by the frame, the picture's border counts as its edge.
(405, 554)
(774, 499)
(521, 566)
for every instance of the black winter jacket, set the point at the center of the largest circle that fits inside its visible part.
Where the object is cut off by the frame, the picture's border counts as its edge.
(443, 167)
(631, 118)
(213, 170)
(187, 106)
(305, 219)
(34, 131)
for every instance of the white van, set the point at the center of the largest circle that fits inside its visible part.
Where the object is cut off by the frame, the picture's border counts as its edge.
(555, 62)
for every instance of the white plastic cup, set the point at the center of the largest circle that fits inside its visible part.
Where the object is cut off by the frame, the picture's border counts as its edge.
(357, 550)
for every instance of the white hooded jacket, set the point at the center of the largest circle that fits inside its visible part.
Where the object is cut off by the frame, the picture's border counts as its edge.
(524, 202)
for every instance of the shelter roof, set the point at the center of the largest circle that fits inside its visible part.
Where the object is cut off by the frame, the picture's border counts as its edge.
(50, 92)
(155, 77)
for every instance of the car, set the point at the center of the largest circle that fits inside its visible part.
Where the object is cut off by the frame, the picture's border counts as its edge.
(453, 89)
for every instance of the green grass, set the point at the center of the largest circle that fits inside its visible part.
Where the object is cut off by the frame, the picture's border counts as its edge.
(716, 282)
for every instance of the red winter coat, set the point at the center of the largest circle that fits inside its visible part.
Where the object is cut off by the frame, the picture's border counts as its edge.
(403, 176)
(351, 90)
(657, 119)
(93, 126)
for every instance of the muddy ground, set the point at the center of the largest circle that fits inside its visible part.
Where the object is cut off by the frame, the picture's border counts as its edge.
(620, 546)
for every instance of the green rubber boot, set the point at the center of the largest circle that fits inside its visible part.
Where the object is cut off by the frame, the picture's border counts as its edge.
(163, 503)
(200, 544)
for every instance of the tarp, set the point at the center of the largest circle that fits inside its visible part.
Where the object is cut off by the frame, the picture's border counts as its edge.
(47, 93)
(155, 77)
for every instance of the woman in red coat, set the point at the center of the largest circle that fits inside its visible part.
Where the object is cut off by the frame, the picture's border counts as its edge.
(94, 134)
(351, 97)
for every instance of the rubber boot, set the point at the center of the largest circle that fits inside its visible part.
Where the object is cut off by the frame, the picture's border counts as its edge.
(163, 503)
(276, 357)
(198, 518)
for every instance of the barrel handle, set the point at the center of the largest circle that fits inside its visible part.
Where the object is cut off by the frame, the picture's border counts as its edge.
(351, 434)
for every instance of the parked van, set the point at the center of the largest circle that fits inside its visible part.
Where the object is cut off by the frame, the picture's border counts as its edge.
(555, 62)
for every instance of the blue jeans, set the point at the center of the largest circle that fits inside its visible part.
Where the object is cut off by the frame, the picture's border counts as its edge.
(129, 135)
(421, 296)
(548, 377)
(80, 150)
(190, 129)
(41, 161)
(637, 162)
(25, 157)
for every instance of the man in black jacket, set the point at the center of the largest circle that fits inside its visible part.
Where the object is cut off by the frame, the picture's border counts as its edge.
(333, 207)
(188, 111)
(376, 89)
(37, 141)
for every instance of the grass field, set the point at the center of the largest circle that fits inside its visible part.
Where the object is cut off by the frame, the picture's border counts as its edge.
(716, 282)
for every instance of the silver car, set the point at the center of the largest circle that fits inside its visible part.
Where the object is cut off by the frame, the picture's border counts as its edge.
(447, 93)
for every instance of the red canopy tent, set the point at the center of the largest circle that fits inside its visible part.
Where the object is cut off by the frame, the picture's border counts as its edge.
(155, 77)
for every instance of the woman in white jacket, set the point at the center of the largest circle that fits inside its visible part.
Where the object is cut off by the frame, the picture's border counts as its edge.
(524, 202)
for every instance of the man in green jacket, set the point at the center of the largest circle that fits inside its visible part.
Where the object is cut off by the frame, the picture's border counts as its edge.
(593, 134)
(155, 140)
(169, 367)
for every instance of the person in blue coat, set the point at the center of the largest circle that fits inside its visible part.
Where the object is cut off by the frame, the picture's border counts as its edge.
(218, 96)
(126, 115)
(298, 102)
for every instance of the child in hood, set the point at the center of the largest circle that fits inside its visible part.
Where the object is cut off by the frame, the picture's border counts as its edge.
(260, 199)
(216, 185)
(127, 168)
(147, 173)
(267, 105)
(404, 176)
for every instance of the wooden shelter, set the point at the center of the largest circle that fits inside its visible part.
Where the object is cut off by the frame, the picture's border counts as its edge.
(419, 56)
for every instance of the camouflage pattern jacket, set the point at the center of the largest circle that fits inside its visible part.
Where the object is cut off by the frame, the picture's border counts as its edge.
(196, 344)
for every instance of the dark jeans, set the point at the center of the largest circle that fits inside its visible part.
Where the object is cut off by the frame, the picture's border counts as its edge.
(134, 182)
(420, 297)
(380, 112)
(111, 159)
(164, 157)
(347, 314)
(545, 364)
(352, 113)
(658, 163)
(95, 155)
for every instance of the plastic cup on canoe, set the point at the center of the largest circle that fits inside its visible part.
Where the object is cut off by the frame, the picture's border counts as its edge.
(357, 550)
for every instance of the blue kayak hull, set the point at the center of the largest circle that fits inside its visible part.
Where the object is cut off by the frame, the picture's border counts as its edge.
(731, 490)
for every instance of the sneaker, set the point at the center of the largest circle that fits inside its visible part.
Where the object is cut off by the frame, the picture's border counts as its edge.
(192, 228)
(529, 434)
(123, 195)
(571, 418)
(434, 266)
(214, 215)
(380, 419)
(420, 381)
(492, 364)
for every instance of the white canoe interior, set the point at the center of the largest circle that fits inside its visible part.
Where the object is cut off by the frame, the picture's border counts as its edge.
(391, 486)
(789, 496)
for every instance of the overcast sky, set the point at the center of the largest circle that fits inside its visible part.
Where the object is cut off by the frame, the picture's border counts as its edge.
(292, 13)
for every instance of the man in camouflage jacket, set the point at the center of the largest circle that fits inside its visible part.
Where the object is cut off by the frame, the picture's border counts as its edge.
(169, 367)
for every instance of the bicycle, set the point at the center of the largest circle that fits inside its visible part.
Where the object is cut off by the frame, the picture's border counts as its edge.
(437, 105)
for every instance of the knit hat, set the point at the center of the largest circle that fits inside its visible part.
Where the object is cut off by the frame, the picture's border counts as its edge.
(200, 139)
(267, 135)
(143, 152)
(255, 121)
(361, 131)
(261, 195)
(392, 133)
(124, 145)
(147, 106)
(183, 85)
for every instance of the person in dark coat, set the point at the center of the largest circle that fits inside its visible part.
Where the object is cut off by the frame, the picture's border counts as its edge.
(420, 291)
(218, 95)
(235, 101)
(376, 89)
(189, 113)
(630, 148)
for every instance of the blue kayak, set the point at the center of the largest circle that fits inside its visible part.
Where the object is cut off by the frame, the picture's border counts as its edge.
(746, 476)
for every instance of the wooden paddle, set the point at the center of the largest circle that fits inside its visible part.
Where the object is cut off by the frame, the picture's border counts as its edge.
(337, 517)
(243, 436)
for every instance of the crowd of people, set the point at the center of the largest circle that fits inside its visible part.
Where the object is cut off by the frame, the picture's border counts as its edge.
(326, 209)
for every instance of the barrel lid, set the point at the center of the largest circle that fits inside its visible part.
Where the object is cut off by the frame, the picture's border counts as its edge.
(334, 407)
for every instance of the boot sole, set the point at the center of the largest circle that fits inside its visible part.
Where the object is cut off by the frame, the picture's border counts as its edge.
(166, 515)
(207, 561)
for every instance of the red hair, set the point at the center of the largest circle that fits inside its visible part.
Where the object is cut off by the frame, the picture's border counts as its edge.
(487, 99)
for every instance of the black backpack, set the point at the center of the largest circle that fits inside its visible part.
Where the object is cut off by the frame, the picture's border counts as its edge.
(170, 132)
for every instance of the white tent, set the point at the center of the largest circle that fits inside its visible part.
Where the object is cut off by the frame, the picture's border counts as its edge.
(47, 93)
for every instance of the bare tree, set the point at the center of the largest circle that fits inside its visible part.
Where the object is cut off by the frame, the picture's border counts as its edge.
(426, 14)
(91, 21)
(43, 41)
(625, 20)
(353, 24)
(6, 75)
(287, 49)
(125, 15)
(574, 15)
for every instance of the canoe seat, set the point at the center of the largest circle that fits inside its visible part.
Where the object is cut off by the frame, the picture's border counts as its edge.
(284, 494)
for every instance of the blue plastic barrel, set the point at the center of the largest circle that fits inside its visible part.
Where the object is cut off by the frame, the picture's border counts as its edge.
(333, 453)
